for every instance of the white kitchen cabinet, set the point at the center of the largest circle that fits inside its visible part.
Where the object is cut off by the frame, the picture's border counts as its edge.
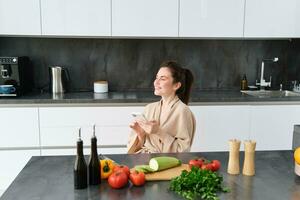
(76, 17)
(19, 127)
(272, 126)
(145, 18)
(59, 126)
(20, 17)
(12, 162)
(271, 18)
(218, 124)
(86, 151)
(211, 18)
(67, 136)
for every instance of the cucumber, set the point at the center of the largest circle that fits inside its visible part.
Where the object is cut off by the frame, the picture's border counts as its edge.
(143, 168)
(163, 162)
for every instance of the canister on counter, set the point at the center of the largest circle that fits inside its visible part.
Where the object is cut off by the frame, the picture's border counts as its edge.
(100, 86)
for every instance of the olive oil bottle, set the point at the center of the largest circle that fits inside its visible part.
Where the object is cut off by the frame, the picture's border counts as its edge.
(244, 83)
(94, 165)
(80, 168)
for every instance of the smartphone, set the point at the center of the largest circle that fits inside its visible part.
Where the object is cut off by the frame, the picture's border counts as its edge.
(139, 115)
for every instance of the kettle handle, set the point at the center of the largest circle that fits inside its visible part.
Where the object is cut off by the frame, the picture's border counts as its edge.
(67, 74)
(67, 81)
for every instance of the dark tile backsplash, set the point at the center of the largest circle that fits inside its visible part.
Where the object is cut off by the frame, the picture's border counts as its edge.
(131, 64)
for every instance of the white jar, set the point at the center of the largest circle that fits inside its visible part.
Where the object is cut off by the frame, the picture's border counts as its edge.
(100, 86)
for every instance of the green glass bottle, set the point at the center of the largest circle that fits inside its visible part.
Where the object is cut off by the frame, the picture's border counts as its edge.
(80, 168)
(94, 165)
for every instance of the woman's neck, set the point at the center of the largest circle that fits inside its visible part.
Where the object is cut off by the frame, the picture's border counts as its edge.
(166, 100)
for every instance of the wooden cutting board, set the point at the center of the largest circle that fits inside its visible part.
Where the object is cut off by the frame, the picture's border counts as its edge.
(167, 174)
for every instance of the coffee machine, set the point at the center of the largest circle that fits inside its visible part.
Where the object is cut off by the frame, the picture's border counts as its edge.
(16, 71)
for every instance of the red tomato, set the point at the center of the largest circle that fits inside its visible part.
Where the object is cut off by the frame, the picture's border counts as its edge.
(137, 178)
(215, 165)
(117, 179)
(196, 163)
(122, 168)
(207, 166)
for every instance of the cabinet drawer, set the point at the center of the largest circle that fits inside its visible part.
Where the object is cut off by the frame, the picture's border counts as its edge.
(86, 151)
(68, 135)
(19, 127)
(87, 116)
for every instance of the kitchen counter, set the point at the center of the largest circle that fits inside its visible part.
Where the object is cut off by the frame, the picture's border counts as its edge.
(52, 178)
(140, 98)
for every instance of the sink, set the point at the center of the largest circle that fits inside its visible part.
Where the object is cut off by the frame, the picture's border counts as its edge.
(271, 93)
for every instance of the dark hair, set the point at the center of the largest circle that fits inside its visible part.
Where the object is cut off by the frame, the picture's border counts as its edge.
(182, 75)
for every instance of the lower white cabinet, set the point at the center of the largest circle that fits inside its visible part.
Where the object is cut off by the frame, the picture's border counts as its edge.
(86, 151)
(59, 126)
(19, 130)
(272, 126)
(19, 127)
(215, 125)
(67, 136)
(12, 162)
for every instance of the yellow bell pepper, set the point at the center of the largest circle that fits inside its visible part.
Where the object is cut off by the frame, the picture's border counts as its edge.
(107, 167)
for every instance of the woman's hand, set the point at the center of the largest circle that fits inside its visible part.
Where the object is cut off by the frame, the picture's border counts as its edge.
(137, 129)
(149, 126)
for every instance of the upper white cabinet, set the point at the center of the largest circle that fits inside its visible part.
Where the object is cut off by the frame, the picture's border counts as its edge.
(211, 18)
(20, 17)
(76, 17)
(145, 18)
(272, 18)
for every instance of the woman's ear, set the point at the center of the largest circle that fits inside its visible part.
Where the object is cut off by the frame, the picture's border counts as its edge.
(177, 86)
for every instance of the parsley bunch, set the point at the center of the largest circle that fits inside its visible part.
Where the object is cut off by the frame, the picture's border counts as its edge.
(198, 183)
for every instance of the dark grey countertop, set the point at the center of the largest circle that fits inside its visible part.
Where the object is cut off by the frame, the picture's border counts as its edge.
(142, 98)
(51, 177)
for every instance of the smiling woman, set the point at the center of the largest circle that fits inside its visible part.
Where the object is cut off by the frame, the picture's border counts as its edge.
(170, 124)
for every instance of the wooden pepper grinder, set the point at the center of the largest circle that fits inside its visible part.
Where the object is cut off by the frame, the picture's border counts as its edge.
(249, 160)
(234, 157)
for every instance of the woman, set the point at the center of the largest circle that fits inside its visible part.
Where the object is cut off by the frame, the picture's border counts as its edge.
(170, 124)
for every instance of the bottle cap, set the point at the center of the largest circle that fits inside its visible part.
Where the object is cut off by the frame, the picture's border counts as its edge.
(94, 130)
(79, 134)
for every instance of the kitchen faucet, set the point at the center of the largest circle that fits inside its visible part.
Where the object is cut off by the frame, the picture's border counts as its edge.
(263, 82)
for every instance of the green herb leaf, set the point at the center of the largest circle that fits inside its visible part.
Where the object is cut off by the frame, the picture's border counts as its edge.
(198, 184)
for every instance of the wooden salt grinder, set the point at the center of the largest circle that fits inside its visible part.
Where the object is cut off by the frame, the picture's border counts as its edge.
(234, 154)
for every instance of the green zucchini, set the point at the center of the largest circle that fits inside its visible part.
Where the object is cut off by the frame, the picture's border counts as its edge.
(143, 168)
(163, 162)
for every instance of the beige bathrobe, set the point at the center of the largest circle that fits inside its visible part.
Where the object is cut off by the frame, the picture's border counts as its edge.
(176, 132)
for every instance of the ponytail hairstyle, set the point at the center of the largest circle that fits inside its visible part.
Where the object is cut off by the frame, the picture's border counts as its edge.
(182, 75)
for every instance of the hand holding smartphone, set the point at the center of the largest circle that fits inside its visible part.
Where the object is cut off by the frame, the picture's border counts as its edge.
(139, 116)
